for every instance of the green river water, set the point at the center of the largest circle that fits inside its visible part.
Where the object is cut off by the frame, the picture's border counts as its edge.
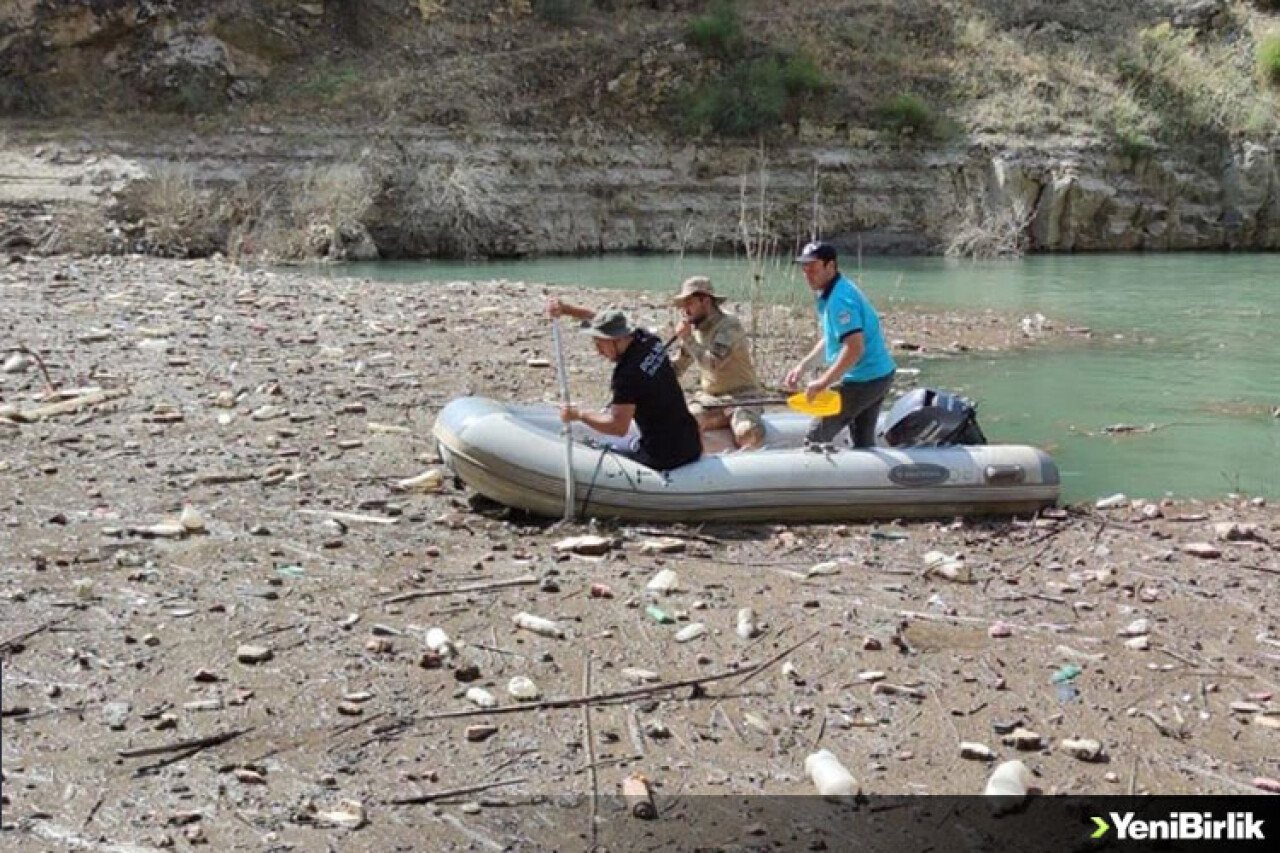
(1186, 342)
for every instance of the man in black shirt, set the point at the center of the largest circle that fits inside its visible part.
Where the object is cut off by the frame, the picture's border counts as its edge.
(644, 388)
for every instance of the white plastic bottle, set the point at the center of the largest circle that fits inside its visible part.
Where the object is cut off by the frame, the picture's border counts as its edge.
(664, 582)
(691, 632)
(829, 776)
(538, 625)
(1008, 786)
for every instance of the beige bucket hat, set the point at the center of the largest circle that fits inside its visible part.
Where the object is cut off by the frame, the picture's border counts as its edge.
(695, 286)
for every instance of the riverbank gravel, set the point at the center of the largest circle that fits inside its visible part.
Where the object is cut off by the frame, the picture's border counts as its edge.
(240, 611)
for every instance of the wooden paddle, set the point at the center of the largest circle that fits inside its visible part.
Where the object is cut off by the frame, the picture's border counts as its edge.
(824, 404)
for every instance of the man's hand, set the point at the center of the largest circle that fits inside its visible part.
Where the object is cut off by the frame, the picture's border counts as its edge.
(569, 414)
(555, 308)
(792, 380)
(813, 388)
(683, 329)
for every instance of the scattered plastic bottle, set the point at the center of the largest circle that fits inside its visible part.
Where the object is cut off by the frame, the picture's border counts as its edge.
(691, 632)
(1008, 786)
(659, 615)
(538, 625)
(829, 776)
(1067, 673)
(664, 582)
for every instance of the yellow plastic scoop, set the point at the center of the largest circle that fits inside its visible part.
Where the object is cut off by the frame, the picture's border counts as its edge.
(824, 404)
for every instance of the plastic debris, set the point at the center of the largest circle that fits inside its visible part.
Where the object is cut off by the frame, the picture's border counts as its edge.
(588, 545)
(538, 625)
(438, 641)
(523, 689)
(664, 582)
(949, 566)
(748, 623)
(1082, 748)
(829, 776)
(1068, 672)
(659, 615)
(691, 632)
(430, 480)
(976, 751)
(639, 799)
(349, 814)
(830, 567)
(191, 520)
(1008, 786)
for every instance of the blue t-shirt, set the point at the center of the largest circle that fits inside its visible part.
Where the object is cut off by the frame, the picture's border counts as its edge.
(843, 310)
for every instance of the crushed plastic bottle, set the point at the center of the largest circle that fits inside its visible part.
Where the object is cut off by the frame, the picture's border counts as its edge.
(523, 689)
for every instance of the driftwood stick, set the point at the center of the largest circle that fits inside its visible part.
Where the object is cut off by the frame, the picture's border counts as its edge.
(591, 751)
(44, 371)
(1171, 653)
(178, 746)
(420, 799)
(17, 639)
(526, 580)
(1253, 568)
(1209, 774)
(771, 661)
(605, 762)
(677, 534)
(351, 517)
(67, 407)
(574, 701)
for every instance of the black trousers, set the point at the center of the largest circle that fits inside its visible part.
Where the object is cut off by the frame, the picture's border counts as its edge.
(859, 409)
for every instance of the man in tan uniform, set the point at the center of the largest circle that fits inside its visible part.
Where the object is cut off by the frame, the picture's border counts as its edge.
(718, 344)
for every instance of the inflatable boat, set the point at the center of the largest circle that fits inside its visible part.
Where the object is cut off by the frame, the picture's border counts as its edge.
(515, 454)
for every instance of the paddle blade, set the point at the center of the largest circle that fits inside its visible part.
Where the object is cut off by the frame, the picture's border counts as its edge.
(824, 404)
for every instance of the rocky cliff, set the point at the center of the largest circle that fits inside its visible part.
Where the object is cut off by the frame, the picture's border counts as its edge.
(553, 179)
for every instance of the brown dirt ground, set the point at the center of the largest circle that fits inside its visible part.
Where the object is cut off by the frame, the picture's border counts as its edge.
(115, 639)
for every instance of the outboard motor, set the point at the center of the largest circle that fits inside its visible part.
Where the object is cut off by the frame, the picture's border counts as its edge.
(925, 417)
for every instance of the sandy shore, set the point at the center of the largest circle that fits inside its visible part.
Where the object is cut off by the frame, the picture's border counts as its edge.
(292, 614)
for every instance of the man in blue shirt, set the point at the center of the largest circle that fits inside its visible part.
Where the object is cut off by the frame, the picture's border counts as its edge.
(855, 353)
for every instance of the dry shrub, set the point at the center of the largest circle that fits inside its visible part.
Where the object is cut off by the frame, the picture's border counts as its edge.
(454, 208)
(178, 217)
(328, 209)
(984, 234)
(83, 229)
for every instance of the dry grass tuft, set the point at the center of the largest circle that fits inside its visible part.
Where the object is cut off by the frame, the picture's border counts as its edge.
(984, 234)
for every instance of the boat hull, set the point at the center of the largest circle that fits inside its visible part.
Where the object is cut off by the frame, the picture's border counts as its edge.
(514, 455)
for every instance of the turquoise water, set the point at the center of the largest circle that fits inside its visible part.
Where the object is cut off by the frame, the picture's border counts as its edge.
(1186, 343)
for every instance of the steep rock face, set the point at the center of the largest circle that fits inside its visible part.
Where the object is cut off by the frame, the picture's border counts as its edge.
(517, 194)
(165, 54)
